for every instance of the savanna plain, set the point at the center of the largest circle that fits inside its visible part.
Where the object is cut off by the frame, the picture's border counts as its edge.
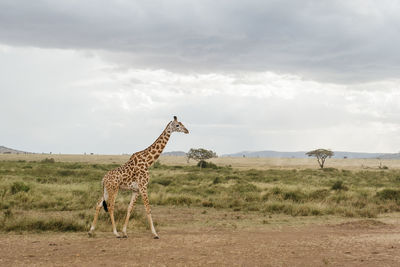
(233, 212)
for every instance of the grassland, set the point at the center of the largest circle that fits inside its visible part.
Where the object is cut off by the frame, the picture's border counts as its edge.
(237, 163)
(38, 194)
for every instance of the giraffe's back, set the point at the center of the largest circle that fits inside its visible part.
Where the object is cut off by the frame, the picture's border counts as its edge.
(126, 176)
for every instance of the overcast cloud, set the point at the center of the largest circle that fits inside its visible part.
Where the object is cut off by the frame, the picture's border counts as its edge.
(106, 76)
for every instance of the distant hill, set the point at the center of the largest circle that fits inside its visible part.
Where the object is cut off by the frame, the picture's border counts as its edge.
(6, 150)
(302, 154)
(174, 153)
(390, 156)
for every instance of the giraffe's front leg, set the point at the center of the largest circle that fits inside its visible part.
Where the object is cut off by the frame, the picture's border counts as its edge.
(130, 208)
(145, 198)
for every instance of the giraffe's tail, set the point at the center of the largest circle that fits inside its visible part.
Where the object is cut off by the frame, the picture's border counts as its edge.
(105, 197)
(105, 205)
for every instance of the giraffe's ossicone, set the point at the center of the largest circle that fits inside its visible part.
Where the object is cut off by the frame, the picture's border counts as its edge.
(134, 176)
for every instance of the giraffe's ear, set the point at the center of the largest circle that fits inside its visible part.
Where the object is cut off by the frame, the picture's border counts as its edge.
(175, 118)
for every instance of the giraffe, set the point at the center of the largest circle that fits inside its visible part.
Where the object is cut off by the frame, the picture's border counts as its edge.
(134, 176)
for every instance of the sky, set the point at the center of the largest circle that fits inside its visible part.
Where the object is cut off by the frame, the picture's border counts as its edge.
(106, 77)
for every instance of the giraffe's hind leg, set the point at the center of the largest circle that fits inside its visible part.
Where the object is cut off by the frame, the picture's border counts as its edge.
(111, 211)
(128, 214)
(98, 207)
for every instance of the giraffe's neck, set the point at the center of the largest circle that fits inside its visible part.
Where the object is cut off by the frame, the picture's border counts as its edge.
(158, 146)
(153, 152)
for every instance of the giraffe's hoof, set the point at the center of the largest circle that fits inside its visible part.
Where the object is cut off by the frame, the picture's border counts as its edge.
(125, 236)
(157, 237)
(90, 234)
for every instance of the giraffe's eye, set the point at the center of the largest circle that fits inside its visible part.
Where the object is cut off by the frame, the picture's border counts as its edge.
(177, 125)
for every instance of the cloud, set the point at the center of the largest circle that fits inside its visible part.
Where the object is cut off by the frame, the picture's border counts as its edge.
(73, 103)
(106, 76)
(333, 41)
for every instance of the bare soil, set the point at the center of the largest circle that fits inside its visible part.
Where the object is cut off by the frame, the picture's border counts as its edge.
(349, 243)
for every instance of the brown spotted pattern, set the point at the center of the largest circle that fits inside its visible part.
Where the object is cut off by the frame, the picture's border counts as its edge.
(134, 176)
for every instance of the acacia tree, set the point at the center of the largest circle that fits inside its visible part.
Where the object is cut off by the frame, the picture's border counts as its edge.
(200, 154)
(321, 155)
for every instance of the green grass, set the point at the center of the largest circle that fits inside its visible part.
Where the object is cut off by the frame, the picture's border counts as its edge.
(59, 196)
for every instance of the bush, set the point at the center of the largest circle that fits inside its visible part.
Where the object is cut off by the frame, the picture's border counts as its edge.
(18, 187)
(338, 185)
(389, 194)
(207, 203)
(205, 164)
(217, 180)
(7, 214)
(276, 190)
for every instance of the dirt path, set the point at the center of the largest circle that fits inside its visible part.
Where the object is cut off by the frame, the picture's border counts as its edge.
(357, 243)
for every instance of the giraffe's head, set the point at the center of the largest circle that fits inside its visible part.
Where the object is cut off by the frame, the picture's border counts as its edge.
(177, 126)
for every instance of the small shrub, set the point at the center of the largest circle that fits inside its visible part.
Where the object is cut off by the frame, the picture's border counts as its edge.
(389, 194)
(7, 213)
(236, 203)
(316, 212)
(276, 190)
(207, 203)
(19, 187)
(217, 180)
(205, 164)
(338, 185)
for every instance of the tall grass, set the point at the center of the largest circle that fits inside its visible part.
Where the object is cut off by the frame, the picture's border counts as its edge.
(59, 196)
